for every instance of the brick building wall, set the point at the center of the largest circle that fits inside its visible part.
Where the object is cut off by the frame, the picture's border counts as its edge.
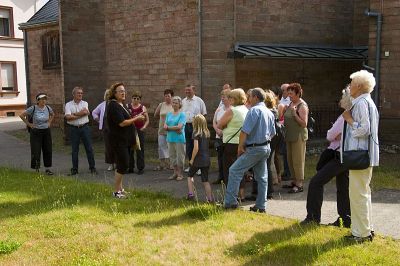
(390, 66)
(217, 40)
(48, 81)
(152, 46)
(83, 49)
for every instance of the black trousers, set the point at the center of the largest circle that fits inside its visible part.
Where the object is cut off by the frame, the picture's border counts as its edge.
(189, 140)
(220, 153)
(139, 154)
(41, 142)
(315, 194)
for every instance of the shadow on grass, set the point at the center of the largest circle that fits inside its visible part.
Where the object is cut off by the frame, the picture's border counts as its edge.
(192, 214)
(43, 194)
(292, 245)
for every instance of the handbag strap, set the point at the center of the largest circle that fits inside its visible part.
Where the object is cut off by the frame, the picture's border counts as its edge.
(370, 126)
(234, 135)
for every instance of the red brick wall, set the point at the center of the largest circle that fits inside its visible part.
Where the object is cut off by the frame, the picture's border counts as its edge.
(295, 21)
(83, 49)
(390, 65)
(322, 80)
(152, 46)
(218, 37)
(48, 81)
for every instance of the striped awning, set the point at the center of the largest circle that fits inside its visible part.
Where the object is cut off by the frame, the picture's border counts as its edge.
(291, 51)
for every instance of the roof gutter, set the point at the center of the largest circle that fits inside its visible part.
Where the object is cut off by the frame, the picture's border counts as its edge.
(377, 52)
(24, 26)
(28, 83)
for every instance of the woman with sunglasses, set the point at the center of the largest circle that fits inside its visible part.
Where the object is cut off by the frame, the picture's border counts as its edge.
(138, 109)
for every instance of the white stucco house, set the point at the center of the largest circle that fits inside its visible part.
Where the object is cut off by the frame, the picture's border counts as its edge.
(13, 94)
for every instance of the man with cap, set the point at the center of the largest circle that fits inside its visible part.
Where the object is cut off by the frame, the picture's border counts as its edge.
(77, 116)
(38, 119)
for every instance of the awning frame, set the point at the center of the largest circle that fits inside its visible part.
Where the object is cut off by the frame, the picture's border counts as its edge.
(295, 51)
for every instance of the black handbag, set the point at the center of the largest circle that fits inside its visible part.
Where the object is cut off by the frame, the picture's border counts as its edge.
(355, 159)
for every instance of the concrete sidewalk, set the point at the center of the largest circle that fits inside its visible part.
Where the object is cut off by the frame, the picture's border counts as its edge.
(386, 203)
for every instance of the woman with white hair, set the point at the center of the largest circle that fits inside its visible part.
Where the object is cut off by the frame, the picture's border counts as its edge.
(360, 132)
(175, 126)
(328, 167)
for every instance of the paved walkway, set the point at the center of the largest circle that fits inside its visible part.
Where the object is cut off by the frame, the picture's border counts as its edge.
(386, 203)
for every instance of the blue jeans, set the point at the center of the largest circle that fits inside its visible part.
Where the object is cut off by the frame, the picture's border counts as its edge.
(76, 135)
(256, 158)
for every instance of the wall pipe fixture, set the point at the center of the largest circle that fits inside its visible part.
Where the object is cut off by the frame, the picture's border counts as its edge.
(377, 52)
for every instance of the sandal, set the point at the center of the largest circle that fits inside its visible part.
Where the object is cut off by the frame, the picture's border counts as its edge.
(172, 177)
(296, 189)
(158, 168)
(292, 185)
(179, 178)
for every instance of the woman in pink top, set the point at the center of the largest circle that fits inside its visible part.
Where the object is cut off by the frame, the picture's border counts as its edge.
(328, 167)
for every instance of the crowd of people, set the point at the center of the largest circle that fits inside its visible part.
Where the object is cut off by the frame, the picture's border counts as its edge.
(255, 130)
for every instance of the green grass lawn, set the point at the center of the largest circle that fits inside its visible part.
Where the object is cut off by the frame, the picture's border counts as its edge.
(60, 221)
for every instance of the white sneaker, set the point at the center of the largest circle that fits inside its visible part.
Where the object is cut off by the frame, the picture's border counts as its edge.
(186, 170)
(198, 172)
(119, 195)
(110, 168)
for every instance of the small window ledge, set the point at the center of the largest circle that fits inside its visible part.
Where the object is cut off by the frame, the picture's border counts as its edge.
(5, 93)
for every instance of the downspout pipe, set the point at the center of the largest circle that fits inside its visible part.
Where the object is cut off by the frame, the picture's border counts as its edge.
(200, 48)
(28, 83)
(377, 52)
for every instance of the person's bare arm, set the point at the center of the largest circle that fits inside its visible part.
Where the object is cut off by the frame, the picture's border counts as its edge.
(225, 119)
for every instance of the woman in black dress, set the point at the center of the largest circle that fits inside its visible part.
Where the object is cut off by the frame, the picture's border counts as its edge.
(122, 132)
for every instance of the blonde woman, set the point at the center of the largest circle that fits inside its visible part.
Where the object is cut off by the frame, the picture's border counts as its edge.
(200, 159)
(230, 124)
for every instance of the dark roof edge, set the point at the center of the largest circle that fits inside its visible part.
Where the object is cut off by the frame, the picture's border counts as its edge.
(301, 45)
(25, 26)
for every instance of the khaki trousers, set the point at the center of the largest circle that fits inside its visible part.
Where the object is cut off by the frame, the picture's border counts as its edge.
(296, 156)
(360, 202)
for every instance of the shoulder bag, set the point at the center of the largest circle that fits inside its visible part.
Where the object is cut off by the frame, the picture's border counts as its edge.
(356, 159)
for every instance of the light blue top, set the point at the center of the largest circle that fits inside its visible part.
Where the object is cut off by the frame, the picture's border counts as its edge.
(364, 128)
(259, 124)
(40, 116)
(174, 120)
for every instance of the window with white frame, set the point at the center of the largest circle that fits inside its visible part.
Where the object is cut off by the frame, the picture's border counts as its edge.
(8, 76)
(6, 22)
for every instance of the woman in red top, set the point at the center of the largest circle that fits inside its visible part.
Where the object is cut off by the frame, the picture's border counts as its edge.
(137, 108)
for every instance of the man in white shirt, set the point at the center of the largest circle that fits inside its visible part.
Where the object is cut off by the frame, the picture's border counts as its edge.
(285, 98)
(284, 101)
(191, 106)
(77, 116)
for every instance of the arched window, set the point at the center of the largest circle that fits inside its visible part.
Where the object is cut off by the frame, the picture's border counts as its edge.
(51, 50)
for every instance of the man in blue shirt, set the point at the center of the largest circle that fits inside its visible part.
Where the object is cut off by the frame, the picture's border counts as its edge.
(253, 151)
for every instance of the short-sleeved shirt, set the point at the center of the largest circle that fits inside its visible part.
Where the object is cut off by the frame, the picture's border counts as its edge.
(173, 120)
(164, 109)
(259, 124)
(193, 107)
(73, 107)
(202, 158)
(41, 116)
(120, 136)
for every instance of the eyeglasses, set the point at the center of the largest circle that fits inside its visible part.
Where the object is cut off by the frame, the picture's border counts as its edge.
(121, 91)
(136, 98)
